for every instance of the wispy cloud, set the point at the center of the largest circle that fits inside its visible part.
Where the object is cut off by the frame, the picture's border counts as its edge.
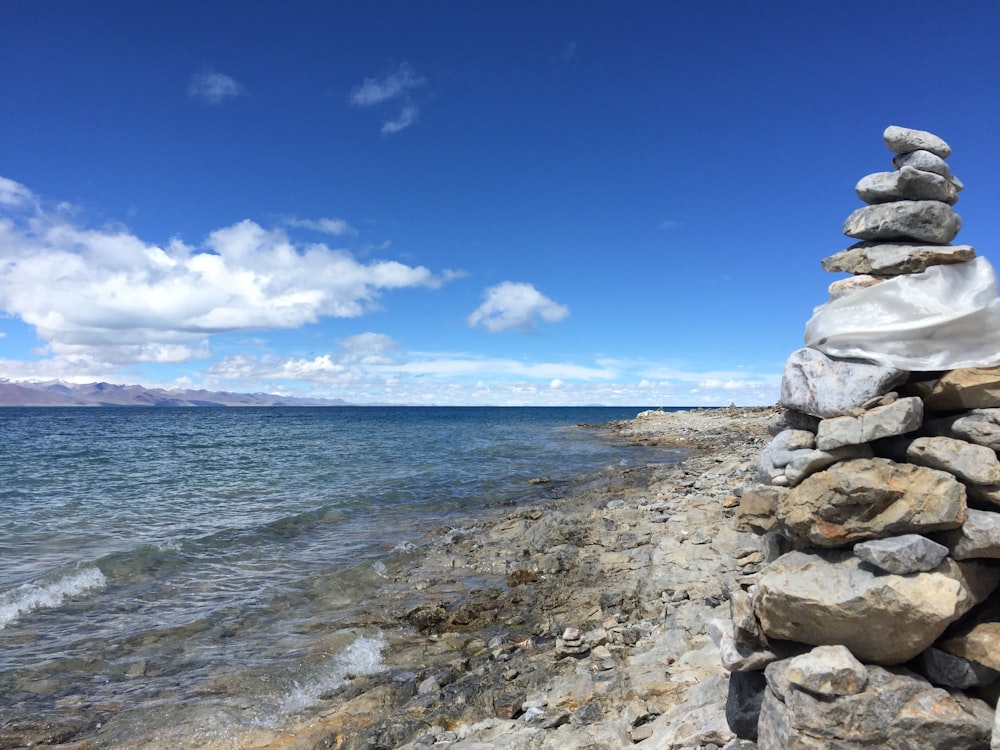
(515, 306)
(336, 227)
(15, 194)
(214, 88)
(393, 89)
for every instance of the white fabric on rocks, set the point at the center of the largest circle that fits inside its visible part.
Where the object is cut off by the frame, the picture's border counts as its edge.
(940, 319)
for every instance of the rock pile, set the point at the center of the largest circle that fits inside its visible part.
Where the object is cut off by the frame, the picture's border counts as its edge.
(876, 623)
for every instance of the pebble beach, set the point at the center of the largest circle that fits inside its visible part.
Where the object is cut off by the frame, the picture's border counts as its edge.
(577, 622)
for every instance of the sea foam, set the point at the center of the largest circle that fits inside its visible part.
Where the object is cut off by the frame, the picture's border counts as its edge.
(362, 656)
(31, 596)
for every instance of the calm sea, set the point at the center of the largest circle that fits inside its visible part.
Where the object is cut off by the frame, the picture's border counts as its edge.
(149, 556)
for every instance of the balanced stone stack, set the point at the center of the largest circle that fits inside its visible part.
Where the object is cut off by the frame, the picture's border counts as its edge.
(876, 623)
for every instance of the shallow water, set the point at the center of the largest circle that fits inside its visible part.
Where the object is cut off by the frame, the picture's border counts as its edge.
(152, 556)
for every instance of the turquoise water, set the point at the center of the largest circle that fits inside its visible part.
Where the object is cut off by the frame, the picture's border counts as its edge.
(147, 552)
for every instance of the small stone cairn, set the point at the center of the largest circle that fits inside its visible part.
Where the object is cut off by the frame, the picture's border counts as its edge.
(876, 623)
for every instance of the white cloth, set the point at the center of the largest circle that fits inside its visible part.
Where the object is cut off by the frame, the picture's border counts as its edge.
(943, 318)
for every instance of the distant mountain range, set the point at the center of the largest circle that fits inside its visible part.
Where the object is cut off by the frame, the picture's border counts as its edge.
(106, 394)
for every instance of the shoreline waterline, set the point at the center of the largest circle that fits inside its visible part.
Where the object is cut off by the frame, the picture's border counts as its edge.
(162, 669)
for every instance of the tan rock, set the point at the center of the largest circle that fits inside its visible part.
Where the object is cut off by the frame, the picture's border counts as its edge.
(871, 498)
(827, 670)
(756, 511)
(981, 645)
(850, 285)
(965, 388)
(831, 598)
(893, 259)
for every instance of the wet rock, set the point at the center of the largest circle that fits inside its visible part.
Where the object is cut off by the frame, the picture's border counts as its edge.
(831, 598)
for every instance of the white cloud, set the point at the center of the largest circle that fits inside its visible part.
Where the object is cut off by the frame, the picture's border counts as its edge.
(214, 88)
(406, 117)
(515, 306)
(103, 297)
(336, 227)
(390, 86)
(15, 194)
(394, 89)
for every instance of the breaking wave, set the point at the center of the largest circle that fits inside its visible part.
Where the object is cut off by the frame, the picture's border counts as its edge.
(29, 597)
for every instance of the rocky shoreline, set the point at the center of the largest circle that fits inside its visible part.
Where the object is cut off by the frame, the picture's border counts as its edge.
(578, 622)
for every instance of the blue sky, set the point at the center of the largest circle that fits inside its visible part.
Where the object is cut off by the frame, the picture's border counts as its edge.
(454, 202)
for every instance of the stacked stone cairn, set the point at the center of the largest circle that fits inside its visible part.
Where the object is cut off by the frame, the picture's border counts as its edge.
(876, 623)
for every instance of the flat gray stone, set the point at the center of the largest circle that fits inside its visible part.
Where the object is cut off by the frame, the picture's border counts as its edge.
(973, 464)
(923, 221)
(978, 537)
(904, 140)
(806, 463)
(979, 426)
(894, 259)
(897, 418)
(826, 387)
(906, 184)
(927, 162)
(901, 555)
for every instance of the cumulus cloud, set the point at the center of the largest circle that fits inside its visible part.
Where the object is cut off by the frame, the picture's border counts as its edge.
(515, 306)
(104, 296)
(395, 90)
(214, 88)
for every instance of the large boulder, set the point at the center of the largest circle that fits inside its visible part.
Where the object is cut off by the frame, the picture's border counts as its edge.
(896, 711)
(833, 598)
(871, 498)
(826, 387)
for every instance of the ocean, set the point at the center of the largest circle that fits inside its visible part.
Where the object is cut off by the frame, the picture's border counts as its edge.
(151, 557)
